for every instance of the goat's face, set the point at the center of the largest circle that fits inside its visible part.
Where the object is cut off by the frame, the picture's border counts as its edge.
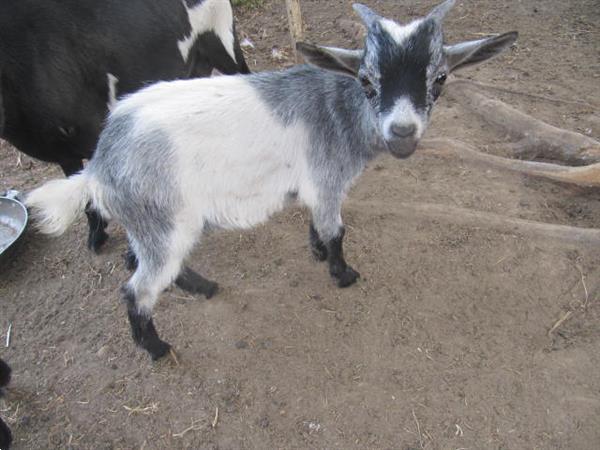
(402, 70)
(402, 73)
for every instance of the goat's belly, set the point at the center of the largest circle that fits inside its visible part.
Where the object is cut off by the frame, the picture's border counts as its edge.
(244, 195)
(244, 210)
(239, 203)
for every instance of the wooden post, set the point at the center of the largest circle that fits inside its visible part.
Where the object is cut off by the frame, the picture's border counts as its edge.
(295, 23)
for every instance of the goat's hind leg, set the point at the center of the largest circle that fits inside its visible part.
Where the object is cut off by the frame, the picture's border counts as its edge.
(97, 235)
(139, 312)
(193, 282)
(159, 262)
(188, 280)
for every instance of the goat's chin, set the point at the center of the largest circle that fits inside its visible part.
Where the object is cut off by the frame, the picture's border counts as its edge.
(402, 150)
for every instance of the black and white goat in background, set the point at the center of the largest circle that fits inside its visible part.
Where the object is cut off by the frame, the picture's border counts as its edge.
(5, 434)
(227, 152)
(63, 63)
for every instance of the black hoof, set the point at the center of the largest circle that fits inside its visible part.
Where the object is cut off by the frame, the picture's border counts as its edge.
(211, 289)
(143, 331)
(96, 240)
(194, 283)
(159, 349)
(347, 277)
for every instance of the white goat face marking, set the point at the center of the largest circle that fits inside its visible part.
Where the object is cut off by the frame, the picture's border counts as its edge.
(403, 114)
(209, 15)
(399, 32)
(112, 91)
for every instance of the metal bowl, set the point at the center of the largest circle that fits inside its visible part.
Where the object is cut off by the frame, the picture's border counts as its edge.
(13, 220)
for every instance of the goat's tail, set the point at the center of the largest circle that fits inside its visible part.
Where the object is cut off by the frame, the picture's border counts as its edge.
(58, 203)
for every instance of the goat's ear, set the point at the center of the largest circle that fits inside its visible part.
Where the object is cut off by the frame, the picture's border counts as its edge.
(439, 12)
(473, 52)
(338, 60)
(368, 16)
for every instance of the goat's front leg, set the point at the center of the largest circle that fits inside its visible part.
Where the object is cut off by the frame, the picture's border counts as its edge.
(326, 238)
(317, 247)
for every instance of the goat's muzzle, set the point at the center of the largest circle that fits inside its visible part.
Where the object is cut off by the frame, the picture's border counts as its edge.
(402, 148)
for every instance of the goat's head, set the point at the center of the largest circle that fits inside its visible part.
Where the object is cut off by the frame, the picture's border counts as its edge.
(402, 69)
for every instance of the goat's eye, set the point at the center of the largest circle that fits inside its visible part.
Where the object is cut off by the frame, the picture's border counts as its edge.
(367, 87)
(441, 78)
(436, 89)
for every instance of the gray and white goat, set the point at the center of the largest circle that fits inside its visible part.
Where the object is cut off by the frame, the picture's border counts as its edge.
(179, 157)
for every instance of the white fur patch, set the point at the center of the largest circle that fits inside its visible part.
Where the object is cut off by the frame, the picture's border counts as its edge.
(236, 163)
(210, 15)
(399, 32)
(403, 113)
(112, 91)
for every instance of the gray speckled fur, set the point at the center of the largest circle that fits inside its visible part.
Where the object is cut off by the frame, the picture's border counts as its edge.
(341, 124)
(137, 190)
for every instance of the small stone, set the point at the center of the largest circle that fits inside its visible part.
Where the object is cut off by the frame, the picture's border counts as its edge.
(264, 422)
(24, 421)
(241, 345)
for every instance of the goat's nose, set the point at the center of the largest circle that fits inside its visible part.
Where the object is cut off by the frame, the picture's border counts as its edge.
(403, 130)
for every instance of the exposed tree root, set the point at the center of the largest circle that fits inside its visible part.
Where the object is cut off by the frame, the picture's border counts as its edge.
(545, 98)
(536, 230)
(537, 139)
(587, 176)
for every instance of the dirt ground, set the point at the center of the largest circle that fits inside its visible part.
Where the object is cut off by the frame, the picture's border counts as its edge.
(443, 344)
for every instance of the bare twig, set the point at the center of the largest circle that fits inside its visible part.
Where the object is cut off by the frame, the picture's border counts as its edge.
(560, 321)
(418, 429)
(585, 290)
(196, 426)
(174, 356)
(8, 335)
(216, 419)
(19, 163)
(142, 410)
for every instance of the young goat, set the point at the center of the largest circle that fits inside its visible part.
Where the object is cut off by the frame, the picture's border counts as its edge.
(180, 157)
